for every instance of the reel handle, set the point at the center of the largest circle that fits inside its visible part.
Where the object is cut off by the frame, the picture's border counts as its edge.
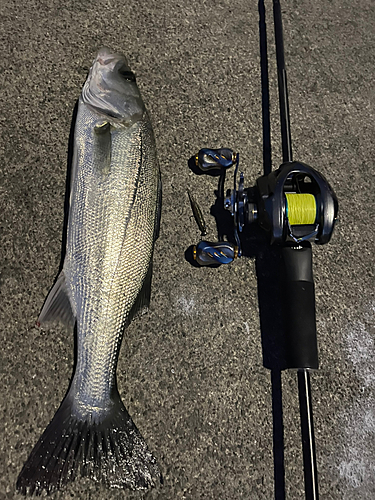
(214, 159)
(220, 252)
(299, 296)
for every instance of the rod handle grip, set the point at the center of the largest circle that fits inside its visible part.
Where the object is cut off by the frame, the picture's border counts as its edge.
(299, 307)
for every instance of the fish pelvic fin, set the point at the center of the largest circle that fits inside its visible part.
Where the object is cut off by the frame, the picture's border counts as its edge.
(108, 449)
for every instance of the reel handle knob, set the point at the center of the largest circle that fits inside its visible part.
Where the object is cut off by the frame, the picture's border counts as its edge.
(221, 252)
(214, 159)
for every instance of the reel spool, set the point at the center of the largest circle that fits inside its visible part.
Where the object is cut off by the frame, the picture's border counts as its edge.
(294, 204)
(300, 209)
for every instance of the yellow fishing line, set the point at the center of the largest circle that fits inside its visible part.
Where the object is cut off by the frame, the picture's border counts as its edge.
(300, 208)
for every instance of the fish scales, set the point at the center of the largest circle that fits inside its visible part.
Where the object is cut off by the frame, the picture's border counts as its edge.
(114, 212)
(104, 265)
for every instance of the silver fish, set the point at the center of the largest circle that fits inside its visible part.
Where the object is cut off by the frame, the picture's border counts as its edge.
(114, 212)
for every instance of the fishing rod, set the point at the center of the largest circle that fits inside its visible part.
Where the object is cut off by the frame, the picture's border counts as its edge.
(295, 206)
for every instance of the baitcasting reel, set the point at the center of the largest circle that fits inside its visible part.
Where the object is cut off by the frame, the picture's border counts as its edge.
(293, 204)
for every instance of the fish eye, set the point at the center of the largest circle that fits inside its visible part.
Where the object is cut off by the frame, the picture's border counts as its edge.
(127, 75)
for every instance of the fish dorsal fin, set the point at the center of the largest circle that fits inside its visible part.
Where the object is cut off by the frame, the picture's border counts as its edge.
(143, 299)
(158, 210)
(57, 306)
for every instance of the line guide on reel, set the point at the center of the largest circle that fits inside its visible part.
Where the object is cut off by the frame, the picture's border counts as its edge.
(295, 206)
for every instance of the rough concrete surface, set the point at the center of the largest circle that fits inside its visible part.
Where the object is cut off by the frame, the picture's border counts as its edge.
(191, 371)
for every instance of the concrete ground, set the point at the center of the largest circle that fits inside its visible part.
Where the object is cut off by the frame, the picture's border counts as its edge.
(191, 371)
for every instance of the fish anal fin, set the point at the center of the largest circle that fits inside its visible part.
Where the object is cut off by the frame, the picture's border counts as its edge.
(57, 306)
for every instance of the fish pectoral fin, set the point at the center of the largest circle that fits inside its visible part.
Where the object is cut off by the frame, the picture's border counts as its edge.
(102, 128)
(143, 299)
(103, 146)
(57, 306)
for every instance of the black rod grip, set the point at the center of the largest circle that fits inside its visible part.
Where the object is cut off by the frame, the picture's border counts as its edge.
(299, 307)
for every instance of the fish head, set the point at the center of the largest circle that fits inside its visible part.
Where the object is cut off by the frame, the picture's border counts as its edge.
(111, 90)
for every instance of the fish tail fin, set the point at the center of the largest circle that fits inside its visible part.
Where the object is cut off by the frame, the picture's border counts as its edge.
(107, 448)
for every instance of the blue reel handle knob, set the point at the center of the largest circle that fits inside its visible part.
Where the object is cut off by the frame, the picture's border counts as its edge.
(214, 159)
(221, 252)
